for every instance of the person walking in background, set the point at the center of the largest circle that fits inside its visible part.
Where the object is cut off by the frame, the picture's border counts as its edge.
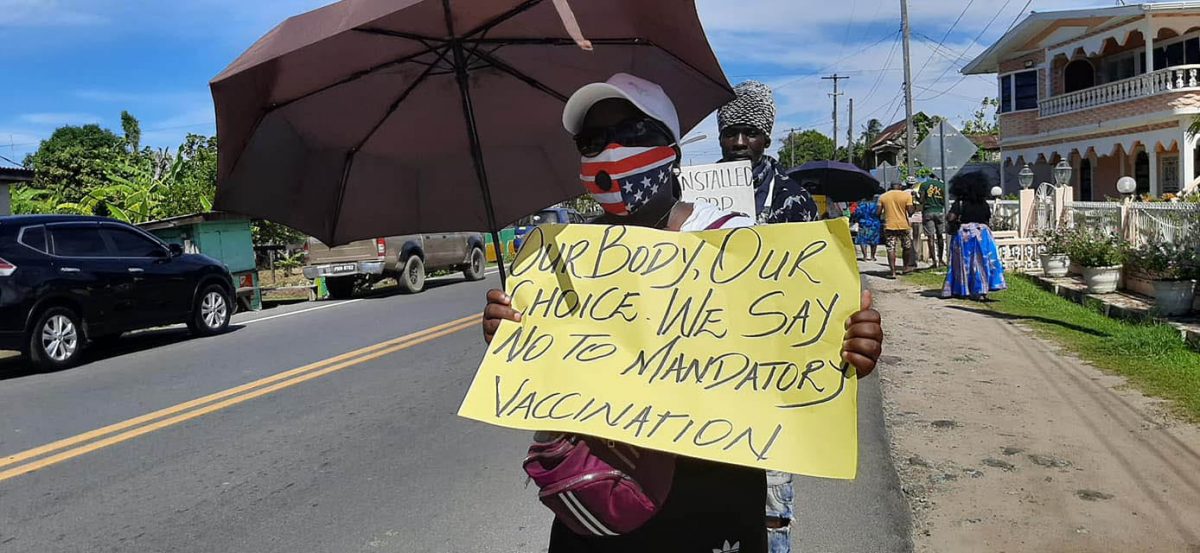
(866, 216)
(931, 194)
(745, 126)
(897, 205)
(911, 258)
(975, 267)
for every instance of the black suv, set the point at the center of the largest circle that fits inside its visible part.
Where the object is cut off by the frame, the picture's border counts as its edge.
(67, 281)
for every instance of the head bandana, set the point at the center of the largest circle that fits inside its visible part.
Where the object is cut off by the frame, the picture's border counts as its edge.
(754, 106)
(623, 179)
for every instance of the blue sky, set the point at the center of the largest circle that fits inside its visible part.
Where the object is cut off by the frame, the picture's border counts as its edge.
(83, 61)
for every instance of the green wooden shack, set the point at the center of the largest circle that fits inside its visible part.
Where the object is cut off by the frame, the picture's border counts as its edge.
(221, 236)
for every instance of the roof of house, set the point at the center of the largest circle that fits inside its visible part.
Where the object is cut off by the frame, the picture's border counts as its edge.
(15, 174)
(889, 134)
(985, 141)
(190, 219)
(1042, 29)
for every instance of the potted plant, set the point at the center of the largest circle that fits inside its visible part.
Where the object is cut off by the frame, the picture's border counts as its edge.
(1101, 256)
(1172, 268)
(1055, 260)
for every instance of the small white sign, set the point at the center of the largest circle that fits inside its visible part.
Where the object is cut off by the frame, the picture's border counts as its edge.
(728, 186)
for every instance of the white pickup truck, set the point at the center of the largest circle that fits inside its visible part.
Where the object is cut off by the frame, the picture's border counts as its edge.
(407, 258)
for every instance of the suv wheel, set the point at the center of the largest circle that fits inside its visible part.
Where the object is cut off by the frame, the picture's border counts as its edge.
(340, 288)
(412, 276)
(212, 311)
(476, 265)
(57, 339)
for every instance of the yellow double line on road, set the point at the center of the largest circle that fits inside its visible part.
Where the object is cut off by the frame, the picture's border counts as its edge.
(69, 448)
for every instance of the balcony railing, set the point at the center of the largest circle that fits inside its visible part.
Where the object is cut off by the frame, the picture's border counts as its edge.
(1171, 79)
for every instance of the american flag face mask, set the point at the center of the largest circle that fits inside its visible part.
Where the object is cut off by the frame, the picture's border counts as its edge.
(623, 179)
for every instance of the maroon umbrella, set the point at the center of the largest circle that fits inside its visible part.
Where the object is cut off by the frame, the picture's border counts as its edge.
(372, 118)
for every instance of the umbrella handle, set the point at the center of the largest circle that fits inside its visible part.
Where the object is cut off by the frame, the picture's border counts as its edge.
(571, 25)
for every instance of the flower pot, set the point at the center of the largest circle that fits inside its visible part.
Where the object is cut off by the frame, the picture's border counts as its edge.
(1173, 297)
(1055, 265)
(1102, 280)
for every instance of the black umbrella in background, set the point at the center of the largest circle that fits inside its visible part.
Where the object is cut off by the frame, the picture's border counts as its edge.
(836, 180)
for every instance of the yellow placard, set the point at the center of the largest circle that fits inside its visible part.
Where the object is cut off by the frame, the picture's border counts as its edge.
(723, 345)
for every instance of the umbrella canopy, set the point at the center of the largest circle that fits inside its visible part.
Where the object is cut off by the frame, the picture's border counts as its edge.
(370, 118)
(836, 180)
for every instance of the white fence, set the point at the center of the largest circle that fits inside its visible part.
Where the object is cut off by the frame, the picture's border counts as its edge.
(1171, 79)
(1006, 215)
(1101, 216)
(1173, 222)
(1144, 221)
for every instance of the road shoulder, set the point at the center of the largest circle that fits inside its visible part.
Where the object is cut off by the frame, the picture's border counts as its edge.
(1005, 443)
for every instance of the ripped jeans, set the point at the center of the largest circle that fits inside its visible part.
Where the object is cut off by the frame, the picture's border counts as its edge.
(780, 497)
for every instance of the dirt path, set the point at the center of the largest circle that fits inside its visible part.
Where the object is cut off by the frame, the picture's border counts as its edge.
(1003, 443)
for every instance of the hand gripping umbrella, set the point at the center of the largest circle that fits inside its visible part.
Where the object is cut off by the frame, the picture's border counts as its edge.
(371, 118)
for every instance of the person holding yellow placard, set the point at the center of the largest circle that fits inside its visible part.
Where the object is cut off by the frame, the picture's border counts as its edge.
(627, 133)
(745, 125)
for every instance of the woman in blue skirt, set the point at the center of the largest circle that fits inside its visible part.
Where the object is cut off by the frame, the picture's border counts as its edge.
(869, 225)
(975, 267)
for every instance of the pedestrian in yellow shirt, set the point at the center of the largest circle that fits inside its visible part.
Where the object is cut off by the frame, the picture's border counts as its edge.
(897, 205)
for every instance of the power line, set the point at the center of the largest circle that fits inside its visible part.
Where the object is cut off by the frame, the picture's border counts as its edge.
(834, 63)
(1018, 17)
(944, 92)
(944, 37)
(975, 41)
(886, 64)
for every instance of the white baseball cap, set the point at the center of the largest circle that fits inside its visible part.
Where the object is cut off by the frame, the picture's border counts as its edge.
(644, 95)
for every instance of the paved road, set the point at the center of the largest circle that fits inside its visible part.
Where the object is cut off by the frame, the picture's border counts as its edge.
(354, 453)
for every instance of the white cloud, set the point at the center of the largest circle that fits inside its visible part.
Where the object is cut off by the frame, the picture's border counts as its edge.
(59, 119)
(45, 13)
(790, 44)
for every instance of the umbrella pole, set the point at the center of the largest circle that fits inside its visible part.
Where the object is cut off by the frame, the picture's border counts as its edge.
(464, 91)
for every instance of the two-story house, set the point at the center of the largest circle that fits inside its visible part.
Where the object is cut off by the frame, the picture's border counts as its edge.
(1111, 90)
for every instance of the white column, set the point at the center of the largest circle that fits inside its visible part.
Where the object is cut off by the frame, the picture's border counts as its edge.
(1148, 33)
(1187, 164)
(1152, 153)
(1048, 68)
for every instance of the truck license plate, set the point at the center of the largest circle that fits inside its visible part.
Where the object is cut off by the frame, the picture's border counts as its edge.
(346, 268)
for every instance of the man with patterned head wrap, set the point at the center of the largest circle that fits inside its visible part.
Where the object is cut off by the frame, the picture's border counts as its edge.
(745, 125)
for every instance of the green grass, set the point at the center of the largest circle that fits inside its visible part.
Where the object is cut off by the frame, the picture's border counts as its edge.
(1151, 356)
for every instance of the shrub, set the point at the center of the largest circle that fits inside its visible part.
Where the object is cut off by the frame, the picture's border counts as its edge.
(1091, 248)
(1159, 259)
(1056, 241)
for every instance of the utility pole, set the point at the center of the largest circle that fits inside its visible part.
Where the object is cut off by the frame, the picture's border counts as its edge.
(835, 78)
(850, 135)
(909, 133)
(791, 143)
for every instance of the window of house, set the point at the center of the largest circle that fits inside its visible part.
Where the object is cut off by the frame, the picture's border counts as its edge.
(1123, 66)
(1085, 180)
(1025, 86)
(1178, 52)
(1005, 93)
(1168, 177)
(1141, 173)
(1019, 91)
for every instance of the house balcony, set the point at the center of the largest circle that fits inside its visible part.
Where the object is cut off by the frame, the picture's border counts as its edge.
(1180, 78)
